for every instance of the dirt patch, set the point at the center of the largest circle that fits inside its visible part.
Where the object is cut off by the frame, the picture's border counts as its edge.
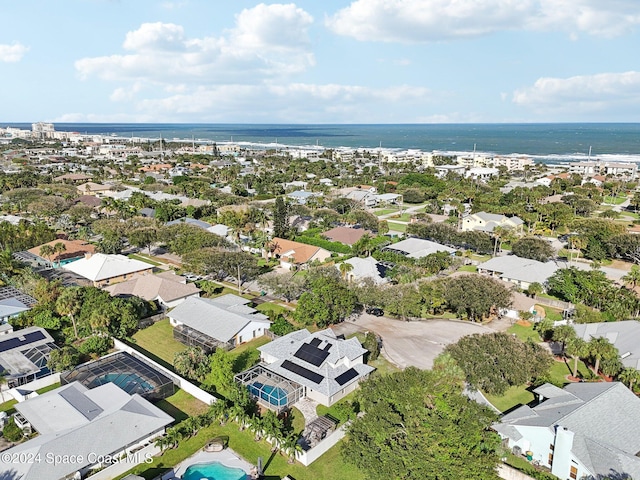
(523, 323)
(540, 311)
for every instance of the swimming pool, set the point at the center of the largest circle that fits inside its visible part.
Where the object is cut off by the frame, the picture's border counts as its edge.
(129, 382)
(213, 471)
(274, 395)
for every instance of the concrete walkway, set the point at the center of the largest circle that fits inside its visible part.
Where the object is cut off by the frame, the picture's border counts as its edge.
(308, 409)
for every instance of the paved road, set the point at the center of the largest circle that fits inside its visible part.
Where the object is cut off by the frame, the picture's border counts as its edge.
(412, 343)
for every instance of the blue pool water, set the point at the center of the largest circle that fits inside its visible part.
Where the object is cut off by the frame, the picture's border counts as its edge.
(213, 471)
(274, 395)
(129, 382)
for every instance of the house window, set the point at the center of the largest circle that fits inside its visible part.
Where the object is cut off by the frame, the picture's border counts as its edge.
(573, 472)
(551, 447)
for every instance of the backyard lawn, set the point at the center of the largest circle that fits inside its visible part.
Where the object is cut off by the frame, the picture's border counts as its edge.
(524, 333)
(271, 307)
(397, 227)
(158, 341)
(143, 258)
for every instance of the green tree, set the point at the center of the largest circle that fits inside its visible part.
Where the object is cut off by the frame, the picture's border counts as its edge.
(192, 363)
(633, 277)
(63, 359)
(69, 303)
(476, 297)
(345, 268)
(419, 425)
(220, 376)
(533, 248)
(600, 349)
(496, 361)
(577, 348)
(562, 334)
(630, 376)
(328, 301)
(280, 219)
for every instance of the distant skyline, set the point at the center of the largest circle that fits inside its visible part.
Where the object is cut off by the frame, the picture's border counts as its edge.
(310, 61)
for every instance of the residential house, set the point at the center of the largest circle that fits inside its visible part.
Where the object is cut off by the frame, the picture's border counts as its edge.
(226, 321)
(519, 303)
(346, 235)
(364, 194)
(295, 254)
(12, 303)
(363, 268)
(487, 222)
(91, 188)
(482, 173)
(522, 272)
(103, 269)
(167, 289)
(325, 366)
(417, 248)
(301, 197)
(624, 335)
(582, 431)
(73, 250)
(83, 429)
(24, 355)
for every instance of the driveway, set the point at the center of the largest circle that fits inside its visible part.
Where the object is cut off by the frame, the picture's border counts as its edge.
(414, 344)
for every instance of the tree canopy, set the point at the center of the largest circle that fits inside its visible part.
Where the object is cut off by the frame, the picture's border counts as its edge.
(419, 425)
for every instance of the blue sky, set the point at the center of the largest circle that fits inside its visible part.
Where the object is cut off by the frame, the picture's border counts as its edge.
(329, 61)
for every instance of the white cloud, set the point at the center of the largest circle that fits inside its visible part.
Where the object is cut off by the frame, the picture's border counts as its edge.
(12, 53)
(602, 92)
(268, 41)
(297, 103)
(416, 21)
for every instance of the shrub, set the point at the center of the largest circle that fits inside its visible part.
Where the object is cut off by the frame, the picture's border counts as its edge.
(98, 345)
(12, 432)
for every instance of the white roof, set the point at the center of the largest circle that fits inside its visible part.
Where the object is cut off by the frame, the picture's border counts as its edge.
(418, 247)
(100, 266)
(84, 423)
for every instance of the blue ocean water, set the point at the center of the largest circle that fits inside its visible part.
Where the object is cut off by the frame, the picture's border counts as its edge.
(545, 140)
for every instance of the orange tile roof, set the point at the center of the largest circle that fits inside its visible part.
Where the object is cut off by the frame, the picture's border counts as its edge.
(74, 249)
(296, 251)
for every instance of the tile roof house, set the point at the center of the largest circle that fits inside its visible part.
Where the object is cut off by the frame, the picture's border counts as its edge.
(486, 222)
(326, 366)
(346, 235)
(417, 247)
(168, 289)
(520, 271)
(74, 250)
(84, 426)
(103, 269)
(624, 335)
(584, 430)
(293, 253)
(222, 320)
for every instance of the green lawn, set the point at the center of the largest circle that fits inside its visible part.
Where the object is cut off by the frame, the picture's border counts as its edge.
(143, 258)
(468, 268)
(158, 341)
(386, 211)
(247, 355)
(8, 405)
(614, 200)
(524, 333)
(271, 307)
(330, 466)
(181, 405)
(46, 389)
(397, 227)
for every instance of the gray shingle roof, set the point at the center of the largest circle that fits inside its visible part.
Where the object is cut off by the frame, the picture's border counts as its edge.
(512, 267)
(418, 247)
(625, 336)
(216, 317)
(605, 418)
(284, 348)
(124, 421)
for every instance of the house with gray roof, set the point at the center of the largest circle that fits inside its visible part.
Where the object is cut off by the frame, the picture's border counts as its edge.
(363, 268)
(624, 335)
(210, 323)
(24, 355)
(167, 289)
(581, 431)
(487, 222)
(325, 366)
(522, 272)
(418, 247)
(82, 429)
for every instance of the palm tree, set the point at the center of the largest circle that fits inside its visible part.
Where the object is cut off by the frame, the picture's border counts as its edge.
(291, 446)
(256, 424)
(629, 376)
(563, 334)
(162, 443)
(218, 411)
(69, 303)
(600, 348)
(191, 425)
(173, 436)
(577, 348)
(58, 248)
(633, 277)
(345, 268)
(47, 251)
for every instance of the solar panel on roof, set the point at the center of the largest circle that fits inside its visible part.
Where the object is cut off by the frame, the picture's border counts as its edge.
(315, 342)
(16, 342)
(303, 372)
(311, 354)
(346, 376)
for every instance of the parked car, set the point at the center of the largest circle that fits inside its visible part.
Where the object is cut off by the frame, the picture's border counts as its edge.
(378, 312)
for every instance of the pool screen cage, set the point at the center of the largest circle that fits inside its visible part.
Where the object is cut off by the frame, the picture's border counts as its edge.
(269, 389)
(126, 371)
(193, 338)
